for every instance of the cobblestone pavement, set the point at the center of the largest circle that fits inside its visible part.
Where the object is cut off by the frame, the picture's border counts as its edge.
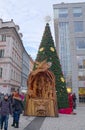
(24, 121)
(63, 122)
(66, 122)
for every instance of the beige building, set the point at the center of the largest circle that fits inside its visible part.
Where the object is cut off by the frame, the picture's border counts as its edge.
(11, 51)
(69, 25)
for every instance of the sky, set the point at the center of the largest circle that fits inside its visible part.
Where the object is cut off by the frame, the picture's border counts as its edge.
(30, 16)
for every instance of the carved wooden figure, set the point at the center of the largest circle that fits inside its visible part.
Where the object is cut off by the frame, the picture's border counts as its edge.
(41, 95)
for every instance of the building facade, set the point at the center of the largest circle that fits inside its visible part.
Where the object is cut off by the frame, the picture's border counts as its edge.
(11, 57)
(27, 66)
(69, 25)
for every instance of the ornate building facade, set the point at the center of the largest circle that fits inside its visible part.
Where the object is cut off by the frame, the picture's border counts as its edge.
(69, 25)
(11, 56)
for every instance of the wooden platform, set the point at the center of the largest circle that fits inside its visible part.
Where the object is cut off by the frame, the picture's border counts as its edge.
(41, 107)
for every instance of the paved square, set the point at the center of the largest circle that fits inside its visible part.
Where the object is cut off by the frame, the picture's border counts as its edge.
(63, 122)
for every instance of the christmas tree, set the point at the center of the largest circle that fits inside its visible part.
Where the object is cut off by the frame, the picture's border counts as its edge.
(48, 52)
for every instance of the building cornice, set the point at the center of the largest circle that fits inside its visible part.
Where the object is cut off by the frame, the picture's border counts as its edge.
(8, 30)
(65, 4)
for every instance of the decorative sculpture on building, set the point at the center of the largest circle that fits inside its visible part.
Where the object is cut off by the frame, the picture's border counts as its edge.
(41, 95)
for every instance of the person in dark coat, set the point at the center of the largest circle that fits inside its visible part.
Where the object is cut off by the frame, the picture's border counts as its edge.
(6, 109)
(74, 101)
(17, 109)
(70, 99)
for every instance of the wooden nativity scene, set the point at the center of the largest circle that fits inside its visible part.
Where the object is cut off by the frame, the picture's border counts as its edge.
(41, 95)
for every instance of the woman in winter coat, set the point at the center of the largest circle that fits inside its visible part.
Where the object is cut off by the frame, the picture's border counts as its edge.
(6, 109)
(17, 109)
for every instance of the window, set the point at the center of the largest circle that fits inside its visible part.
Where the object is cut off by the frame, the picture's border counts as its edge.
(2, 37)
(1, 53)
(0, 72)
(63, 12)
(81, 76)
(56, 13)
(80, 43)
(78, 26)
(82, 94)
(77, 11)
(81, 62)
(60, 13)
(64, 51)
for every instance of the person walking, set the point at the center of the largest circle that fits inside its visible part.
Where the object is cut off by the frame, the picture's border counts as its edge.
(6, 109)
(17, 109)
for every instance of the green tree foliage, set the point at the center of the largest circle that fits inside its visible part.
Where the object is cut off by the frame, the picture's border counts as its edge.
(47, 51)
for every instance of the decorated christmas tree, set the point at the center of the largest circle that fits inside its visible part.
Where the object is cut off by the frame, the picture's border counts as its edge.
(48, 52)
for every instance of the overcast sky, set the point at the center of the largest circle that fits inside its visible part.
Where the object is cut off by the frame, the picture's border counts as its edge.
(30, 16)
